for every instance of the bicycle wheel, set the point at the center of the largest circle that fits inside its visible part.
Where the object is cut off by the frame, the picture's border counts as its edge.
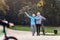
(11, 38)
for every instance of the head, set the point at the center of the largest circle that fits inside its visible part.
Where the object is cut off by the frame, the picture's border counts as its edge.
(33, 15)
(38, 13)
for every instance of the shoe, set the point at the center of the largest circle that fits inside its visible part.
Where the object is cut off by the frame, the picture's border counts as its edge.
(38, 34)
(44, 34)
(32, 34)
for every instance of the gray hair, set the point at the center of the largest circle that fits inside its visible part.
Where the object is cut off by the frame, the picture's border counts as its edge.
(38, 13)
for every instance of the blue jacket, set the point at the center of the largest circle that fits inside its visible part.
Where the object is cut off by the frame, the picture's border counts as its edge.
(32, 19)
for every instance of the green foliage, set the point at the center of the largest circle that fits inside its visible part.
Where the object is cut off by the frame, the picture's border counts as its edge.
(50, 10)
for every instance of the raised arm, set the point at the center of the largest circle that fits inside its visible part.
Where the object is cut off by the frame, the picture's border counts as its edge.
(28, 15)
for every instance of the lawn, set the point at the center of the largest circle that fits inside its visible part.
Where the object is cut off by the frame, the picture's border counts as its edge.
(47, 29)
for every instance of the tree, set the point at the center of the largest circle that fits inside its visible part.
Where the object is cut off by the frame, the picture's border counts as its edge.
(3, 9)
(3, 6)
(49, 8)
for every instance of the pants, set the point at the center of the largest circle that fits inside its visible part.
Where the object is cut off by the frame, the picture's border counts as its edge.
(38, 28)
(33, 28)
(43, 29)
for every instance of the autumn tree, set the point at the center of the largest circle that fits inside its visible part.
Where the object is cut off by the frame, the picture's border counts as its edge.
(3, 8)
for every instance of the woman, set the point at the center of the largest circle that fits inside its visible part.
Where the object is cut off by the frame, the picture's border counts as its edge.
(33, 25)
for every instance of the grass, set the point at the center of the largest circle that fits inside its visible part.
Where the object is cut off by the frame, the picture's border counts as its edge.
(1, 33)
(21, 28)
(47, 29)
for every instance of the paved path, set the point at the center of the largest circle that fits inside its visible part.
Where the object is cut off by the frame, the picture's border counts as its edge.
(25, 35)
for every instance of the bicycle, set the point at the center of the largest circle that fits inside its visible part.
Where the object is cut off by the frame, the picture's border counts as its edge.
(4, 31)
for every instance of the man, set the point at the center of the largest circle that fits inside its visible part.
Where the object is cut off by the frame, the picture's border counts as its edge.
(42, 24)
(38, 22)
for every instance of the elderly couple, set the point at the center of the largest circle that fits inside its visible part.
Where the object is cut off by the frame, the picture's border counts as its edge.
(35, 22)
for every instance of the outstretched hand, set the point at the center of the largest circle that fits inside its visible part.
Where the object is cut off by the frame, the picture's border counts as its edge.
(25, 12)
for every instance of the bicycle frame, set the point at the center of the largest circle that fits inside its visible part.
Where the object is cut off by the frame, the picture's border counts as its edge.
(4, 30)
